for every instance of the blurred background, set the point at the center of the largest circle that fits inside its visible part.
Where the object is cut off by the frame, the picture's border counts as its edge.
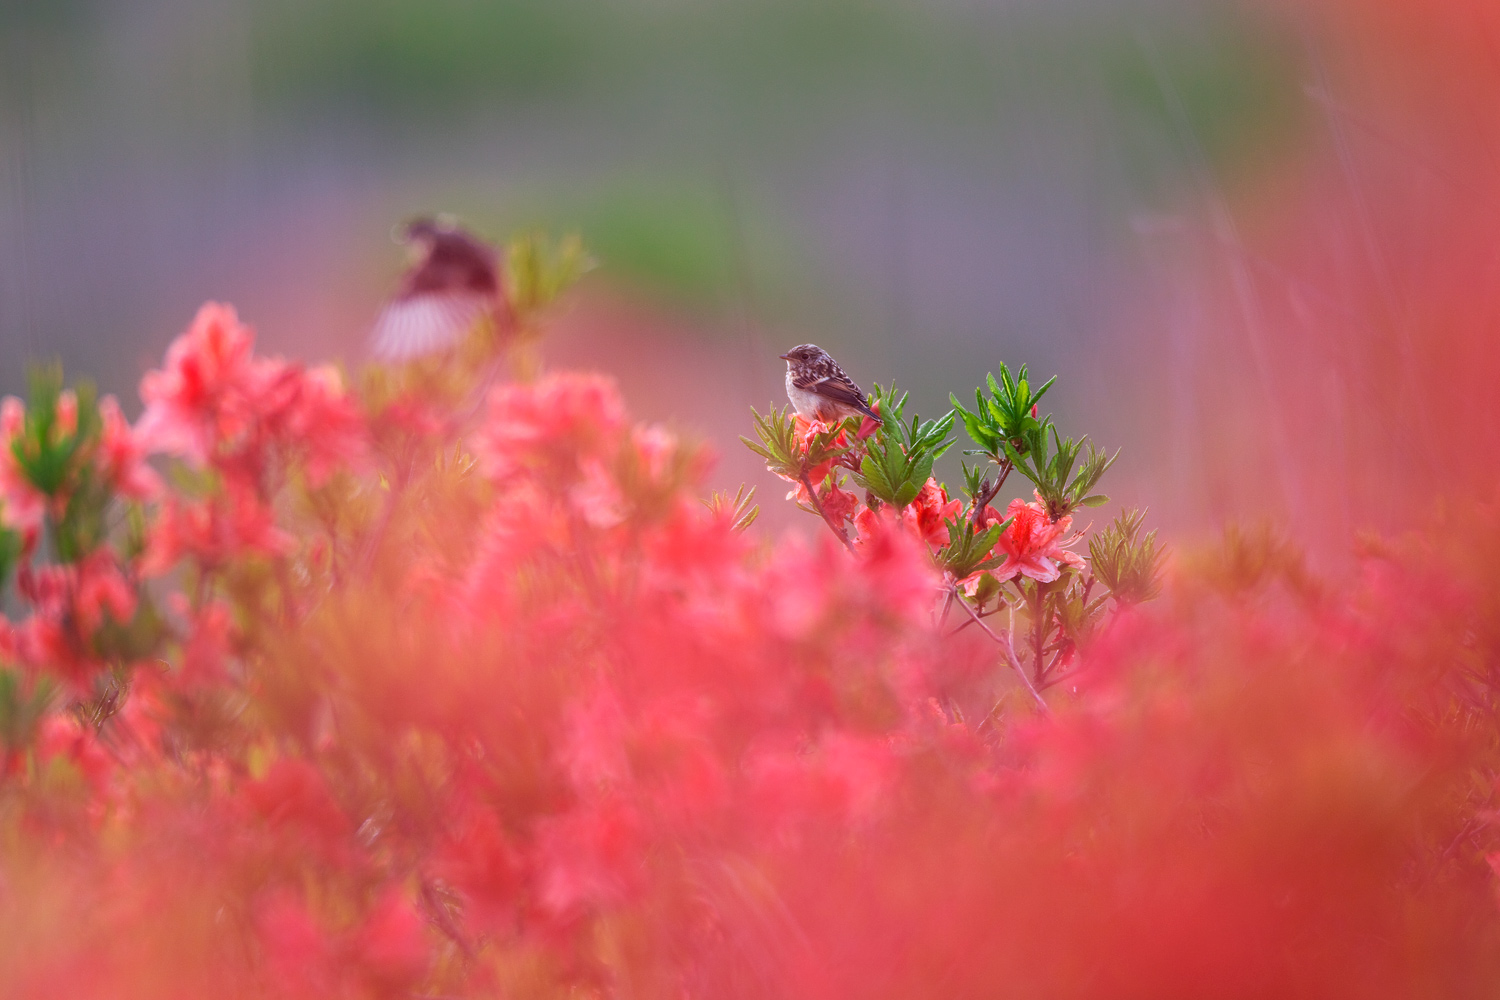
(925, 187)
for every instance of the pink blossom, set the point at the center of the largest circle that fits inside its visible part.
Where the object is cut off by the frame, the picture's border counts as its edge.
(215, 402)
(391, 949)
(1033, 545)
(122, 454)
(928, 515)
(839, 505)
(206, 394)
(100, 589)
(22, 505)
(214, 530)
(549, 425)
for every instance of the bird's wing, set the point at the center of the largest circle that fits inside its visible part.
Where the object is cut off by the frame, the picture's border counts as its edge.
(836, 386)
(411, 326)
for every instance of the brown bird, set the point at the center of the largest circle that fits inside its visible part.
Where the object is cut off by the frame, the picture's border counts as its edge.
(818, 387)
(453, 283)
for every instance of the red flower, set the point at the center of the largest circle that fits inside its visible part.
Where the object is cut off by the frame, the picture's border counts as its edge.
(294, 796)
(927, 516)
(63, 737)
(214, 401)
(1033, 545)
(480, 862)
(550, 425)
(214, 530)
(122, 454)
(319, 421)
(391, 949)
(840, 504)
(593, 856)
(101, 588)
(23, 504)
(299, 955)
(204, 396)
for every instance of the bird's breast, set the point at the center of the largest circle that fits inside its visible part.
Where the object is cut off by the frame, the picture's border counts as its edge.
(811, 405)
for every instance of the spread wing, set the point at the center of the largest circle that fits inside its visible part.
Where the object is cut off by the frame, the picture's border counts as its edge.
(426, 322)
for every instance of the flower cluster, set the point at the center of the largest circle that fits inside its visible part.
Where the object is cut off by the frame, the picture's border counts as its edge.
(976, 550)
(319, 714)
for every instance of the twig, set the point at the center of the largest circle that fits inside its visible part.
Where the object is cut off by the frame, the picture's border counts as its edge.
(1006, 647)
(1057, 653)
(818, 506)
(982, 614)
(438, 913)
(987, 493)
(1054, 681)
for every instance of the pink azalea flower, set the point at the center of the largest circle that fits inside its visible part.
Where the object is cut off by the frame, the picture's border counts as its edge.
(122, 454)
(1033, 545)
(213, 530)
(926, 517)
(840, 504)
(550, 424)
(204, 394)
(215, 402)
(101, 588)
(22, 505)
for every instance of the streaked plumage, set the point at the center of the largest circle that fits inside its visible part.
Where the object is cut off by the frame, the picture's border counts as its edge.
(454, 283)
(818, 387)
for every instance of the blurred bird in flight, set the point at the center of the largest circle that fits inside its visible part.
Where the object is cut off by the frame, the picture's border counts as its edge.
(453, 283)
(819, 389)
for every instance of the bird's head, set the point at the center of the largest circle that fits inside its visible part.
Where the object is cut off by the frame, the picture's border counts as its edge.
(803, 353)
(424, 230)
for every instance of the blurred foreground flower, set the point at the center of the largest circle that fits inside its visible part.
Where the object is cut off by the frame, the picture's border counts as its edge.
(382, 693)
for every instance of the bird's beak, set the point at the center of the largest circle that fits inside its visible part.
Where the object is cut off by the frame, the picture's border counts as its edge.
(785, 357)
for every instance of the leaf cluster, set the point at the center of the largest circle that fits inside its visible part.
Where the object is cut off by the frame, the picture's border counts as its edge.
(899, 456)
(23, 702)
(538, 269)
(56, 456)
(1127, 562)
(968, 549)
(778, 444)
(740, 509)
(48, 454)
(1007, 415)
(1048, 461)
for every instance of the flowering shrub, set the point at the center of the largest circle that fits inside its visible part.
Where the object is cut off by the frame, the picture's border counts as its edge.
(976, 551)
(385, 694)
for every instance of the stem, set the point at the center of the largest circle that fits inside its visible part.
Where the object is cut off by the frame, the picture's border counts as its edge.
(1042, 679)
(818, 506)
(1005, 470)
(371, 548)
(1038, 629)
(438, 913)
(1060, 678)
(1005, 646)
(980, 503)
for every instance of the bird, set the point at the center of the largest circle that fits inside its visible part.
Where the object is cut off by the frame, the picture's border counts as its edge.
(819, 389)
(453, 283)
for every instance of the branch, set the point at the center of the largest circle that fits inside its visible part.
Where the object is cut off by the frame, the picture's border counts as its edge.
(818, 506)
(1006, 647)
(438, 913)
(1060, 678)
(987, 493)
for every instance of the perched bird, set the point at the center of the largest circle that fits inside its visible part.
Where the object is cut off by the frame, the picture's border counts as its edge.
(818, 387)
(454, 281)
